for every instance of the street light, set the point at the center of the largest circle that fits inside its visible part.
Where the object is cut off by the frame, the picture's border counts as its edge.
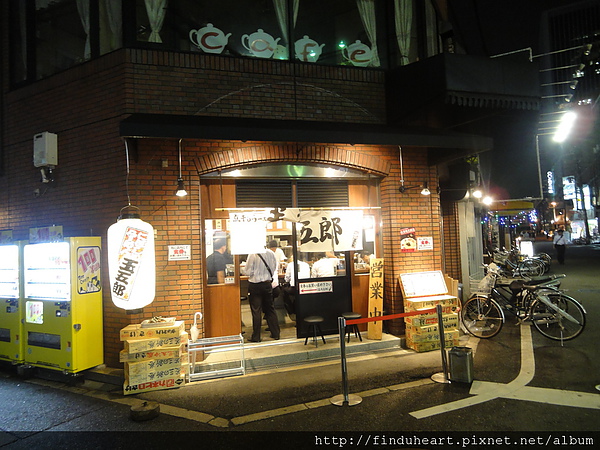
(565, 126)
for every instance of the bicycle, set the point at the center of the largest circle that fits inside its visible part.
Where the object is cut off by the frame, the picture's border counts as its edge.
(527, 267)
(554, 314)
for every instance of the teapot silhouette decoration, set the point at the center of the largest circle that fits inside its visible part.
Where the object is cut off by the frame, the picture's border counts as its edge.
(307, 49)
(260, 44)
(209, 39)
(358, 54)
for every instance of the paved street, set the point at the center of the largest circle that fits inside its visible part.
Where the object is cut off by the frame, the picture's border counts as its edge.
(528, 391)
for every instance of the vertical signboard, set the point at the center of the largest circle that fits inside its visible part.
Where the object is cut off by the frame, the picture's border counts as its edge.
(375, 329)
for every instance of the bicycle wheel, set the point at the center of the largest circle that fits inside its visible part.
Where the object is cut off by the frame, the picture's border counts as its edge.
(482, 317)
(531, 268)
(553, 324)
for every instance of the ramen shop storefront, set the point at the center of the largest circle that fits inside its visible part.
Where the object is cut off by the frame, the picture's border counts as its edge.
(324, 222)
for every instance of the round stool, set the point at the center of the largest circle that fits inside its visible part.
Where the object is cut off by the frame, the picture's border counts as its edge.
(353, 327)
(314, 324)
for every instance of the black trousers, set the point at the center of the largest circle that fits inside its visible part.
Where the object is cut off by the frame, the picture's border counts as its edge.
(560, 253)
(261, 302)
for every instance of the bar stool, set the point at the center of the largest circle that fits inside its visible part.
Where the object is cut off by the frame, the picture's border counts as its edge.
(314, 324)
(352, 327)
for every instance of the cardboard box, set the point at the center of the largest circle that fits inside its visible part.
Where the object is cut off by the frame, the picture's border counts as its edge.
(137, 331)
(138, 375)
(449, 335)
(432, 319)
(417, 303)
(144, 345)
(165, 352)
(430, 345)
(430, 328)
(167, 383)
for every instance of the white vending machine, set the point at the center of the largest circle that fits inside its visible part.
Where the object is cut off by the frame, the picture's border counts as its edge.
(11, 311)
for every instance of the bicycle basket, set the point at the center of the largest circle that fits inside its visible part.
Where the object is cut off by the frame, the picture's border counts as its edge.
(481, 285)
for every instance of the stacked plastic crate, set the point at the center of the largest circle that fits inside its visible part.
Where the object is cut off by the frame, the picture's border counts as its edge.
(155, 356)
(426, 290)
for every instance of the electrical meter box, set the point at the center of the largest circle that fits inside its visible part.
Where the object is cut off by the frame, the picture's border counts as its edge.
(45, 149)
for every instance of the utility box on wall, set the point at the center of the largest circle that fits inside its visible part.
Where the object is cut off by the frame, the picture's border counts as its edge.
(45, 149)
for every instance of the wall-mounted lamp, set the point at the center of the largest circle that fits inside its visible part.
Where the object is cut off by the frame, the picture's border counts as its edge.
(424, 188)
(181, 192)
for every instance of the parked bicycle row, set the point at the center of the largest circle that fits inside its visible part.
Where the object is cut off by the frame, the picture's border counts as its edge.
(537, 299)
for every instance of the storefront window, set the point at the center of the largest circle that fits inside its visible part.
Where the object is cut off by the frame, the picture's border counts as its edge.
(62, 34)
(219, 261)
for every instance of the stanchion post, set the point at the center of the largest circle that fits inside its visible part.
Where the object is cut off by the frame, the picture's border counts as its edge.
(443, 376)
(345, 398)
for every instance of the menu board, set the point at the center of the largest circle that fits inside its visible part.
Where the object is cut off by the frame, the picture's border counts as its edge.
(423, 284)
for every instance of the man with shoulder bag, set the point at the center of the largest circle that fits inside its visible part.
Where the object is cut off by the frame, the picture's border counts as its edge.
(261, 269)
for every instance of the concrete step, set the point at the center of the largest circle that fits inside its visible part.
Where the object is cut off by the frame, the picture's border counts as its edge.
(269, 354)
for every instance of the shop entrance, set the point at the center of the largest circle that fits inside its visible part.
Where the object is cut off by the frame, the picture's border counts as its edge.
(317, 292)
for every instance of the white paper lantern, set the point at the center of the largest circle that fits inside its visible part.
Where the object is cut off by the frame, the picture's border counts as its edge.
(131, 262)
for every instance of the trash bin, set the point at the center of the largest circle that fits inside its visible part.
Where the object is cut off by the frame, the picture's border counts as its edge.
(461, 364)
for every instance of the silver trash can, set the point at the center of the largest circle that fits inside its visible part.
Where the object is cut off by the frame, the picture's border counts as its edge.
(461, 364)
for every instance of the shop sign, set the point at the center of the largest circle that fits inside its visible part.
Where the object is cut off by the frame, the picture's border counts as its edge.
(569, 188)
(248, 232)
(425, 243)
(375, 329)
(331, 230)
(408, 243)
(180, 252)
(131, 263)
(315, 287)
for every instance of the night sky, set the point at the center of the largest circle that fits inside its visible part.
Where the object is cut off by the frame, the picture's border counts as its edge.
(493, 27)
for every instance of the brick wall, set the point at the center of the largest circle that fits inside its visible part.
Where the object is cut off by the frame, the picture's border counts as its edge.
(85, 105)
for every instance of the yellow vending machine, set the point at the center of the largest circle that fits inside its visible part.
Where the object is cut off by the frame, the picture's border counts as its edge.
(63, 304)
(11, 311)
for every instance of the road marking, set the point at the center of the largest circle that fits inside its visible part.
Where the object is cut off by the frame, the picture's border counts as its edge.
(517, 389)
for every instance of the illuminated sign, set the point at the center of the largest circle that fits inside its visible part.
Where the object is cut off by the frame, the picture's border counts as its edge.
(550, 181)
(131, 263)
(569, 188)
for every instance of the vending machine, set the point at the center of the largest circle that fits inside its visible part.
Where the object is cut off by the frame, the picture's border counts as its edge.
(63, 304)
(11, 311)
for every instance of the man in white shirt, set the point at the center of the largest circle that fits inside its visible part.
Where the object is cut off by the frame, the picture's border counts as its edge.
(560, 241)
(325, 267)
(261, 268)
(289, 292)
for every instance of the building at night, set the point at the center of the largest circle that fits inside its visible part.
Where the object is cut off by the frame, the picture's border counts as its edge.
(316, 106)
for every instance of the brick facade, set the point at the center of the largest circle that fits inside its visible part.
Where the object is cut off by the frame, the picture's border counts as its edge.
(94, 178)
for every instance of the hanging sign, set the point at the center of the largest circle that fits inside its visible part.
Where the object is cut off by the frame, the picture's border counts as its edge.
(375, 329)
(131, 263)
(248, 232)
(331, 230)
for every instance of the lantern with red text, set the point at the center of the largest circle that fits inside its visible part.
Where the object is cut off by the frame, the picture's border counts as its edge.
(131, 262)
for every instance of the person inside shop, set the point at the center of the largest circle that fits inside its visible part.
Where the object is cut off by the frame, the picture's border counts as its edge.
(279, 254)
(216, 263)
(261, 269)
(326, 266)
(289, 287)
(561, 239)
